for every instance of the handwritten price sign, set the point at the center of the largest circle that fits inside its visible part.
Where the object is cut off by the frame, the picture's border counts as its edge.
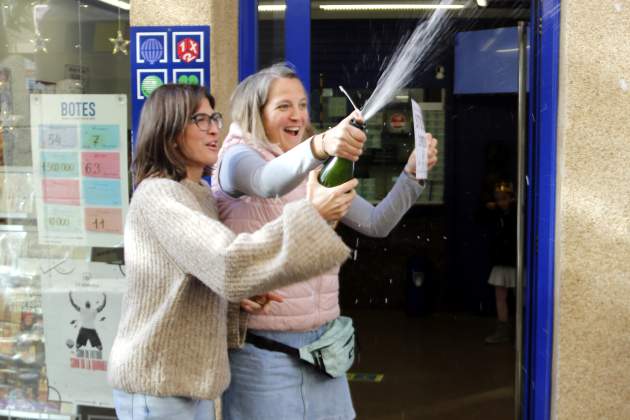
(100, 165)
(99, 137)
(59, 165)
(103, 220)
(63, 219)
(58, 136)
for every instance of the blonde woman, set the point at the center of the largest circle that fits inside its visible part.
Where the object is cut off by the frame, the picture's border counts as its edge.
(187, 272)
(261, 170)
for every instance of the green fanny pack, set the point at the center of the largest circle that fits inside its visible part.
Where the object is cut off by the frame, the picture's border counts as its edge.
(331, 354)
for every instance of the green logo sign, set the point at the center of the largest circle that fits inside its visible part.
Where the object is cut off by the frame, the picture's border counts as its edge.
(149, 84)
(188, 79)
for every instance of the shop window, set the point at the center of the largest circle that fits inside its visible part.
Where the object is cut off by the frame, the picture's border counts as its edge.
(61, 52)
(270, 32)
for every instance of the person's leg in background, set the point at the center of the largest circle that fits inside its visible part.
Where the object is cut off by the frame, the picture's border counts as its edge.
(502, 278)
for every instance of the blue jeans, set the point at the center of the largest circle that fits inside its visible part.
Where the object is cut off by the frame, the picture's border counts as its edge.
(147, 407)
(269, 385)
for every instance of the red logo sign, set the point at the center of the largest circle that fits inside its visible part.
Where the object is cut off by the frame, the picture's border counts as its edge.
(188, 50)
(397, 120)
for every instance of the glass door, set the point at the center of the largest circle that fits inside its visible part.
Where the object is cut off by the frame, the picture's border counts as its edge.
(435, 341)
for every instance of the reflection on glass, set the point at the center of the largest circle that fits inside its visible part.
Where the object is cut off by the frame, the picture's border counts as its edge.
(270, 32)
(389, 138)
(424, 289)
(50, 48)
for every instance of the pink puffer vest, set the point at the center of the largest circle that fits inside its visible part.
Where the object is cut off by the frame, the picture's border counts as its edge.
(307, 305)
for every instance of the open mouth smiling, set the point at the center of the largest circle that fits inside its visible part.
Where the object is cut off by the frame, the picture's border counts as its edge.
(293, 131)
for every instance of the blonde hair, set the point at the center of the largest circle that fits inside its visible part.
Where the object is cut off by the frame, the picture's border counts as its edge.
(250, 97)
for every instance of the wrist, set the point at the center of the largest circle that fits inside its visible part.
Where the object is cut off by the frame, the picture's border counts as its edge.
(318, 146)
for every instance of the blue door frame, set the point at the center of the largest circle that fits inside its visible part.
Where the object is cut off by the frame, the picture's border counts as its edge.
(541, 209)
(247, 38)
(541, 174)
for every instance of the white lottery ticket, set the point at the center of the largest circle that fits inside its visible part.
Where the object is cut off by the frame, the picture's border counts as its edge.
(420, 140)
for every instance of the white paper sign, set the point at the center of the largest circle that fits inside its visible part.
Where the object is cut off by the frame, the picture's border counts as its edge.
(420, 140)
(81, 305)
(79, 147)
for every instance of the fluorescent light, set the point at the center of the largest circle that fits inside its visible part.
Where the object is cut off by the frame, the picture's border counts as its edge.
(116, 3)
(365, 7)
(376, 6)
(482, 3)
(271, 8)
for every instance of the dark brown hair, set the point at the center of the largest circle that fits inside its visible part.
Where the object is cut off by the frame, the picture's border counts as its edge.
(162, 122)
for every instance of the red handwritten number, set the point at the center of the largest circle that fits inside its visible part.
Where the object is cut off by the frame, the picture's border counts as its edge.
(92, 168)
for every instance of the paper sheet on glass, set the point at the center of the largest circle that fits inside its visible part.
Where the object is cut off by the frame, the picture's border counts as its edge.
(79, 333)
(420, 141)
(79, 147)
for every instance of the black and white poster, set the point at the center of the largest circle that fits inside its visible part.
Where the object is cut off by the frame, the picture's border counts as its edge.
(81, 304)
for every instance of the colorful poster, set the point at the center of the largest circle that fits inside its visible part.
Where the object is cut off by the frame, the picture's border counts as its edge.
(81, 304)
(166, 54)
(79, 145)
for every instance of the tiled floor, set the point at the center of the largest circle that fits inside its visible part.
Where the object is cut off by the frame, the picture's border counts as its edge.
(436, 367)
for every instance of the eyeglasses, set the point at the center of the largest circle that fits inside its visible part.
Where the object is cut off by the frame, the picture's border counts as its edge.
(203, 121)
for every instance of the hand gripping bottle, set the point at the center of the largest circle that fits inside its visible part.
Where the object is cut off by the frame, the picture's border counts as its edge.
(338, 170)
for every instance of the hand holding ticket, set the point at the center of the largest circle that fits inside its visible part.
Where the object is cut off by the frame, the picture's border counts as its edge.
(420, 141)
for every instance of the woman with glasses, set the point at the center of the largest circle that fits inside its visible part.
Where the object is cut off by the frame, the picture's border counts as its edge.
(187, 272)
(261, 170)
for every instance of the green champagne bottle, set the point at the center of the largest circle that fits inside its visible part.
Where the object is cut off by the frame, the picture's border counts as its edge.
(338, 170)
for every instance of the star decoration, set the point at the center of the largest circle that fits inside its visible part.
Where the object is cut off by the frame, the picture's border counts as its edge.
(120, 43)
(39, 43)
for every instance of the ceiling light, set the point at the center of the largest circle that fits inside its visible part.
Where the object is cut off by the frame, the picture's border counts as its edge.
(271, 8)
(116, 3)
(482, 3)
(388, 7)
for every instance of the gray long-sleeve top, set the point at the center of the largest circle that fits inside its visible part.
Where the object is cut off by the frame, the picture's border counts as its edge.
(244, 172)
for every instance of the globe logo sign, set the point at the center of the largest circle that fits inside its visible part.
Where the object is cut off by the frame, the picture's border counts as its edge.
(190, 79)
(151, 50)
(187, 50)
(149, 84)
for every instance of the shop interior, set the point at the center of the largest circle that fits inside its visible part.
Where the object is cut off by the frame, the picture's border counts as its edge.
(420, 297)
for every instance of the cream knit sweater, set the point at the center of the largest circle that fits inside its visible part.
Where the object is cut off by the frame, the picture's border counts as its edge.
(183, 266)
